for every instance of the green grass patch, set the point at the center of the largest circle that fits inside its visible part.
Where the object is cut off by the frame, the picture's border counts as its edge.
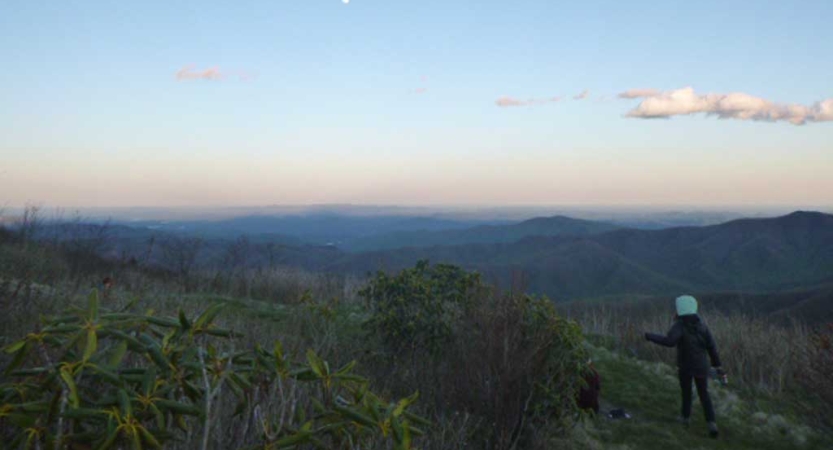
(650, 393)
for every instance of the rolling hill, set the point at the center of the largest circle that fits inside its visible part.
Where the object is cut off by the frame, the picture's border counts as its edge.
(747, 255)
(541, 226)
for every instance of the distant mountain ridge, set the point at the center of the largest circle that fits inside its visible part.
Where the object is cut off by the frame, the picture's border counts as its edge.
(540, 226)
(751, 255)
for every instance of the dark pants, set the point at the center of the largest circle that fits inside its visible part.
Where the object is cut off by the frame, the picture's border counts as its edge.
(702, 391)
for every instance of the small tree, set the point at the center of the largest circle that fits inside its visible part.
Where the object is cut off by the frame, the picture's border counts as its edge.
(418, 308)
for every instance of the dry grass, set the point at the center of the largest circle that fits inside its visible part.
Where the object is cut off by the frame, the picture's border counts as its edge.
(756, 353)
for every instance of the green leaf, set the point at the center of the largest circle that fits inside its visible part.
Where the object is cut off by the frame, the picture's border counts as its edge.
(208, 315)
(135, 441)
(186, 325)
(107, 375)
(414, 431)
(404, 403)
(93, 305)
(158, 357)
(163, 321)
(351, 377)
(33, 407)
(398, 432)
(116, 357)
(148, 381)
(178, 408)
(15, 346)
(149, 438)
(64, 320)
(221, 332)
(278, 352)
(92, 345)
(417, 419)
(132, 342)
(406, 437)
(124, 404)
(85, 413)
(355, 416)
(241, 381)
(160, 418)
(347, 368)
(69, 381)
(316, 364)
(18, 359)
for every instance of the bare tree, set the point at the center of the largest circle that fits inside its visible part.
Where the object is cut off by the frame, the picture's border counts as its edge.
(180, 255)
(30, 223)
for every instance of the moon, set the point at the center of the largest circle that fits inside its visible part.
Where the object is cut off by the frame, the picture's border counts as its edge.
(345, 1)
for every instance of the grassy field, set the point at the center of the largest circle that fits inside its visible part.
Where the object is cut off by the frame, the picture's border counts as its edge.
(649, 391)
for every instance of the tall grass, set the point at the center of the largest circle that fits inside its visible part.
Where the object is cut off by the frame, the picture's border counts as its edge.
(756, 353)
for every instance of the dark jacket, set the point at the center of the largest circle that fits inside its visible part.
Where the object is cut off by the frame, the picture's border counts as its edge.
(693, 341)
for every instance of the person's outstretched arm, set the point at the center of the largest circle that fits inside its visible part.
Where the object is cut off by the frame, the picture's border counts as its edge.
(669, 340)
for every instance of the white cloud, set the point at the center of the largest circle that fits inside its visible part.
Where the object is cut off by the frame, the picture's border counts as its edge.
(188, 73)
(638, 93)
(505, 101)
(582, 95)
(734, 105)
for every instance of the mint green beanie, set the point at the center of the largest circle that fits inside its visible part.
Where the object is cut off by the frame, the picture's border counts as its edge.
(686, 305)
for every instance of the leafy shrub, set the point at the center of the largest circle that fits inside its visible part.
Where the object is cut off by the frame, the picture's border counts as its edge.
(517, 365)
(418, 308)
(506, 362)
(95, 378)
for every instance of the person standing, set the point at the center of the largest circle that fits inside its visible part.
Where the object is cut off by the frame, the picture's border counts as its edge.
(694, 343)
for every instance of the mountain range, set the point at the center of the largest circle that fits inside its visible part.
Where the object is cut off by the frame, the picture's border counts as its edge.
(747, 255)
(561, 257)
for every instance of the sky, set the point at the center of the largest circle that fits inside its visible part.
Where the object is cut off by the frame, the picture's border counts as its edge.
(525, 102)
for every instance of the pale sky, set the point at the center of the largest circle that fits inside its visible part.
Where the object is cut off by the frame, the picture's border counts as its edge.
(415, 103)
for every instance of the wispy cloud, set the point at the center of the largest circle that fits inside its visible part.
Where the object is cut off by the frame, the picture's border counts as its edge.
(189, 73)
(639, 93)
(734, 105)
(505, 101)
(582, 95)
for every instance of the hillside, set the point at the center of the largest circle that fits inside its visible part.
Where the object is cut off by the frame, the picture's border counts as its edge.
(749, 255)
(498, 337)
(314, 228)
(649, 392)
(541, 226)
(577, 260)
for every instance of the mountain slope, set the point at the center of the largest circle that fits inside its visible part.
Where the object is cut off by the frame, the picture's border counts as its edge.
(749, 255)
(542, 226)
